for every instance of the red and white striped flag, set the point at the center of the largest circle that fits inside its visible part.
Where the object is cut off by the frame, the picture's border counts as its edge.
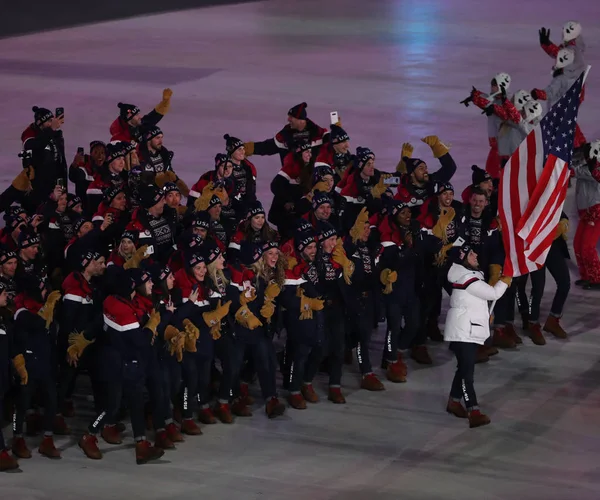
(534, 185)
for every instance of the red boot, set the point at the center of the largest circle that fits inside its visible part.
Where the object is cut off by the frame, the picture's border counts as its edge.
(145, 452)
(370, 382)
(173, 433)
(297, 401)
(60, 427)
(402, 364)
(111, 435)
(245, 394)
(240, 408)
(309, 393)
(274, 408)
(335, 396)
(477, 419)
(502, 340)
(48, 449)
(206, 416)
(509, 330)
(189, 427)
(535, 334)
(394, 373)
(19, 448)
(456, 409)
(163, 442)
(553, 326)
(7, 462)
(89, 444)
(223, 413)
(421, 355)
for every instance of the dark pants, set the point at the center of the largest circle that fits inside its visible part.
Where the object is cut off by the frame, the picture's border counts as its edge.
(504, 310)
(2, 442)
(154, 384)
(259, 352)
(171, 383)
(305, 364)
(333, 348)
(225, 351)
(462, 385)
(48, 388)
(399, 336)
(364, 325)
(557, 266)
(107, 401)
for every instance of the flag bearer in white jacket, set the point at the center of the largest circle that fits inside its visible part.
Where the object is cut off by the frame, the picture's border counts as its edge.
(467, 327)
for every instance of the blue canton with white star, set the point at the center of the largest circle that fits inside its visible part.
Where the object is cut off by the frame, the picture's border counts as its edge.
(558, 126)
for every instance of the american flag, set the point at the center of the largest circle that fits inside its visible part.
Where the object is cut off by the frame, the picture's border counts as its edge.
(534, 185)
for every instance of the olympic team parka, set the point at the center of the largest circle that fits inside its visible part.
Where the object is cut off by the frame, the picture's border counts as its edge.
(242, 280)
(364, 278)
(468, 318)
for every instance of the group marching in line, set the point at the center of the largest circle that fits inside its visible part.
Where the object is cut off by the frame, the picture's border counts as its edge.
(168, 297)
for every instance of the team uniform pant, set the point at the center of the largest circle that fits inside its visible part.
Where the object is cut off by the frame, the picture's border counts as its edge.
(462, 384)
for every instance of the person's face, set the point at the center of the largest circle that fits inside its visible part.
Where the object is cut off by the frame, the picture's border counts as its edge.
(17, 231)
(119, 202)
(329, 244)
(239, 154)
(487, 186)
(420, 173)
(117, 165)
(173, 199)
(330, 182)
(61, 203)
(78, 209)
(200, 231)
(199, 271)
(136, 121)
(9, 268)
(342, 147)
(156, 142)
(472, 260)
(85, 228)
(271, 257)
(446, 198)
(148, 288)
(477, 203)
(98, 155)
(215, 212)
(257, 222)
(98, 266)
(157, 209)
(224, 170)
(403, 217)
(44, 293)
(310, 252)
(31, 252)
(170, 281)
(220, 262)
(126, 247)
(369, 169)
(296, 124)
(3, 298)
(494, 87)
(323, 212)
(366, 232)
(306, 155)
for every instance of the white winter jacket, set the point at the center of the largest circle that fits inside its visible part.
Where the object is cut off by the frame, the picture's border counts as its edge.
(468, 318)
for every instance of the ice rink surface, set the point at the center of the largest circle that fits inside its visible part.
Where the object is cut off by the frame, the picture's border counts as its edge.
(395, 70)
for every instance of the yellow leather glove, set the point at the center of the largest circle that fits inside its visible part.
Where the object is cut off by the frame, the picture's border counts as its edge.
(161, 179)
(562, 229)
(249, 147)
(135, 260)
(247, 297)
(506, 279)
(442, 255)
(320, 186)
(407, 150)
(19, 364)
(163, 106)
(267, 310)
(246, 318)
(272, 291)
(339, 257)
(495, 273)
(47, 311)
(305, 306)
(175, 342)
(77, 344)
(359, 225)
(437, 146)
(131, 160)
(191, 335)
(183, 188)
(378, 189)
(22, 181)
(213, 318)
(182, 210)
(446, 217)
(292, 262)
(388, 278)
(152, 323)
(316, 304)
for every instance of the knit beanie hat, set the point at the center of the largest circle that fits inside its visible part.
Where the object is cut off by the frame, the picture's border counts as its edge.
(255, 208)
(127, 111)
(220, 159)
(149, 196)
(446, 186)
(268, 245)
(86, 258)
(28, 238)
(95, 144)
(214, 201)
(110, 193)
(338, 135)
(210, 251)
(250, 253)
(302, 225)
(72, 201)
(325, 230)
(232, 143)
(363, 155)
(193, 260)
(80, 222)
(302, 146)
(6, 255)
(298, 111)
(411, 164)
(130, 235)
(201, 220)
(139, 276)
(303, 239)
(479, 175)
(41, 115)
(151, 132)
(321, 171)
(319, 199)
(114, 151)
(170, 187)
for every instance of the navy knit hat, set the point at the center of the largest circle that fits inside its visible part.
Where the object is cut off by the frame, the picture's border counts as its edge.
(201, 220)
(80, 222)
(220, 159)
(127, 111)
(255, 208)
(193, 260)
(210, 251)
(298, 111)
(170, 187)
(72, 201)
(214, 201)
(302, 146)
(363, 155)
(6, 255)
(268, 245)
(479, 175)
(157, 272)
(338, 135)
(396, 207)
(41, 115)
(151, 132)
(411, 164)
(191, 242)
(139, 276)
(28, 238)
(86, 258)
(319, 199)
(302, 225)
(250, 253)
(95, 144)
(446, 186)
(114, 151)
(303, 239)
(325, 230)
(13, 223)
(150, 195)
(130, 235)
(232, 143)
(321, 171)
(14, 211)
(110, 193)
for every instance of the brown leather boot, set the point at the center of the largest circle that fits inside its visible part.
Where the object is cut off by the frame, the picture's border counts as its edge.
(394, 373)
(60, 427)
(89, 444)
(402, 364)
(145, 452)
(456, 409)
(509, 330)
(477, 419)
(274, 408)
(309, 393)
(189, 427)
(335, 396)
(174, 434)
(491, 350)
(297, 401)
(552, 326)
(500, 339)
(240, 408)
(7, 462)
(535, 334)
(206, 416)
(245, 394)
(421, 355)
(482, 355)
(370, 382)
(223, 413)
(48, 449)
(433, 330)
(163, 442)
(111, 435)
(19, 448)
